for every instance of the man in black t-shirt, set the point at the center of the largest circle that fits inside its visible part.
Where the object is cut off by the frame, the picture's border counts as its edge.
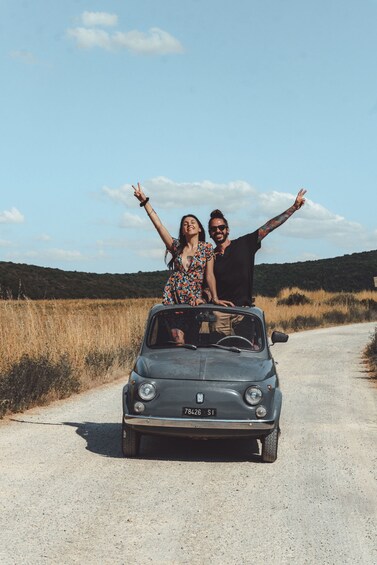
(234, 260)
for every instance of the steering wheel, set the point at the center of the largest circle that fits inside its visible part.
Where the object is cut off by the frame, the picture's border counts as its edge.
(232, 340)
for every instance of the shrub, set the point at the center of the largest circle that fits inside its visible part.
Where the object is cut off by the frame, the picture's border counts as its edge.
(295, 299)
(335, 317)
(343, 299)
(31, 381)
(99, 361)
(371, 349)
(370, 353)
(304, 322)
(369, 303)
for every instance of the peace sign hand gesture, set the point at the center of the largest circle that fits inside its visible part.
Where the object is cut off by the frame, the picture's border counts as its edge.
(138, 193)
(300, 200)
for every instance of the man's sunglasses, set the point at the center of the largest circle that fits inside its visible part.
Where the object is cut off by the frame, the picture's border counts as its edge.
(222, 227)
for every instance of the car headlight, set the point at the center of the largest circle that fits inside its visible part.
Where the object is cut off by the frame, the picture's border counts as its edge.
(147, 391)
(253, 395)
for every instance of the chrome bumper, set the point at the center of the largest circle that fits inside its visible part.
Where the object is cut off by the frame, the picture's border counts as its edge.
(198, 423)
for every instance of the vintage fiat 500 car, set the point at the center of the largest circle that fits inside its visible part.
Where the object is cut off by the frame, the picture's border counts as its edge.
(204, 372)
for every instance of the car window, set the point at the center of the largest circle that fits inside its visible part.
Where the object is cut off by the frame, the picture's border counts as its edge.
(205, 328)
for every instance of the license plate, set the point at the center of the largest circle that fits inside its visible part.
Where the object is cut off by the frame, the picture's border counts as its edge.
(199, 412)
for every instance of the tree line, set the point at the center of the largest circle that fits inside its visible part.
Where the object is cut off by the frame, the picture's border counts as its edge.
(349, 273)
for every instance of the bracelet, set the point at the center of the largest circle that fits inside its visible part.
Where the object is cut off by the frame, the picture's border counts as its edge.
(144, 202)
(151, 212)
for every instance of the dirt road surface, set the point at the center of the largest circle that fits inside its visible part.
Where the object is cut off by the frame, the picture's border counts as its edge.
(68, 496)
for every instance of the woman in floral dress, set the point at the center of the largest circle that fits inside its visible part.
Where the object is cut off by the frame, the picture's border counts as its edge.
(192, 258)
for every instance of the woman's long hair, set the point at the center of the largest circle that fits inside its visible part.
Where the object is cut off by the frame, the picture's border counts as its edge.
(182, 238)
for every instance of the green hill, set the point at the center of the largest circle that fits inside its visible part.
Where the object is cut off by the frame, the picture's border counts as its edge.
(349, 273)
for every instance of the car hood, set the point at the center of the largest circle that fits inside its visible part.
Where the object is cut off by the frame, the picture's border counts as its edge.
(205, 365)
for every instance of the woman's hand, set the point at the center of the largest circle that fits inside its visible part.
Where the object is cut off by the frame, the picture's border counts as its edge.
(138, 193)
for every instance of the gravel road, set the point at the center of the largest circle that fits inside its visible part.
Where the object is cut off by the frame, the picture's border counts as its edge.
(68, 496)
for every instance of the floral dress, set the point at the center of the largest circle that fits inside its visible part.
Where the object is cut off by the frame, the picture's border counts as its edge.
(185, 286)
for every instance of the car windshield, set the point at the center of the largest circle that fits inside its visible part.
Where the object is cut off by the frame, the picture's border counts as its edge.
(205, 327)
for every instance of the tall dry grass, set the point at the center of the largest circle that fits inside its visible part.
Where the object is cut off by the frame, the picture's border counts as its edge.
(77, 328)
(53, 348)
(294, 309)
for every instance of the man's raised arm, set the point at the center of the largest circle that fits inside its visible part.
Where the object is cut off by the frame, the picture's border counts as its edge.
(278, 220)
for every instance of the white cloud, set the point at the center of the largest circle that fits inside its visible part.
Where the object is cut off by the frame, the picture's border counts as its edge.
(5, 243)
(12, 216)
(43, 237)
(24, 56)
(155, 41)
(155, 253)
(313, 227)
(112, 243)
(65, 255)
(146, 247)
(124, 194)
(51, 255)
(171, 194)
(314, 221)
(89, 38)
(274, 202)
(132, 221)
(99, 19)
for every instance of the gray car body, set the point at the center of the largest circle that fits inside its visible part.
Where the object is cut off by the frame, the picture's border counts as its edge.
(220, 375)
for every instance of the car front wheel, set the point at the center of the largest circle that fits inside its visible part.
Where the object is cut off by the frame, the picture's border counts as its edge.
(130, 441)
(270, 446)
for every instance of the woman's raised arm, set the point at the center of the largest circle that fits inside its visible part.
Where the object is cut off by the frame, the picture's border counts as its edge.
(144, 202)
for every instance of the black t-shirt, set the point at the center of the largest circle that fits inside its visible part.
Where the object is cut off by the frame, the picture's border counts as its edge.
(234, 270)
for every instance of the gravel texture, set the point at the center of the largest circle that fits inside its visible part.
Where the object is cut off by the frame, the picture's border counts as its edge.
(68, 496)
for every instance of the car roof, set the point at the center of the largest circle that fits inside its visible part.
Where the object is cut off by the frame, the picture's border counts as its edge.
(254, 310)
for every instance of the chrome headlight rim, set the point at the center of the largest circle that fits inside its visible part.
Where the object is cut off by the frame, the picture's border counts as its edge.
(147, 391)
(253, 395)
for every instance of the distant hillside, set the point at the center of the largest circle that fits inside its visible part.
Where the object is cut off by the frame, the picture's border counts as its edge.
(349, 273)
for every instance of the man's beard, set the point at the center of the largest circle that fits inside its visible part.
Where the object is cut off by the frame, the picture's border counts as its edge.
(224, 237)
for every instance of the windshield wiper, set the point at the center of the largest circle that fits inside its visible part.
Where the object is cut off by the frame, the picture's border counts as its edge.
(231, 348)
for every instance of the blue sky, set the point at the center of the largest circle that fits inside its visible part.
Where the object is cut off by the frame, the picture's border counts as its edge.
(208, 103)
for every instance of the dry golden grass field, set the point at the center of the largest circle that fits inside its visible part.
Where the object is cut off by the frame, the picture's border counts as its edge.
(53, 348)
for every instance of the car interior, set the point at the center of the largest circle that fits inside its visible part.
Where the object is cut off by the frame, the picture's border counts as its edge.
(205, 328)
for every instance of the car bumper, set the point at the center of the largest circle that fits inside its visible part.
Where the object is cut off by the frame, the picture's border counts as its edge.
(147, 422)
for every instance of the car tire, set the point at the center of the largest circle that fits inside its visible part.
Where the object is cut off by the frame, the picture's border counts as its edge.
(130, 441)
(270, 446)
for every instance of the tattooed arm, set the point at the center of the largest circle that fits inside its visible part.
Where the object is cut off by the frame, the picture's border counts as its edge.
(278, 220)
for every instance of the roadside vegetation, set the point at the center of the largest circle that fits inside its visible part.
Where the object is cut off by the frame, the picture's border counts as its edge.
(370, 355)
(54, 348)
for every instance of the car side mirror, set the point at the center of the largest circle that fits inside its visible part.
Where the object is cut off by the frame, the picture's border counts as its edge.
(279, 337)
